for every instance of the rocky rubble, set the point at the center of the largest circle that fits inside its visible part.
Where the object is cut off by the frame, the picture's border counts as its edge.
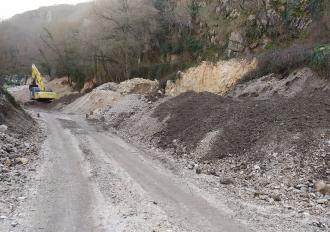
(18, 149)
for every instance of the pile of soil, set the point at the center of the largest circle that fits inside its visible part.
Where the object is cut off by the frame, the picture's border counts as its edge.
(277, 85)
(246, 127)
(267, 141)
(11, 115)
(104, 96)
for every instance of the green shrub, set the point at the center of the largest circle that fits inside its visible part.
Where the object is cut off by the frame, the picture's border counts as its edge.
(320, 59)
(192, 44)
(320, 54)
(194, 8)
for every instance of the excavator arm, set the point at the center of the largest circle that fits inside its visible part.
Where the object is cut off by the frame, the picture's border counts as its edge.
(37, 78)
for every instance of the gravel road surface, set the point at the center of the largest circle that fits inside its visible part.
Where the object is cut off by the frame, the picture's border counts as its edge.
(92, 180)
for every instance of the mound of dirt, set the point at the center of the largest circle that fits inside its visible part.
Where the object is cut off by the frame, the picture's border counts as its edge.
(272, 145)
(139, 86)
(275, 84)
(126, 107)
(61, 86)
(243, 126)
(95, 100)
(13, 116)
(102, 97)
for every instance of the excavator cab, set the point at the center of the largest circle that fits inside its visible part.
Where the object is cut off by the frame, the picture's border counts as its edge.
(37, 88)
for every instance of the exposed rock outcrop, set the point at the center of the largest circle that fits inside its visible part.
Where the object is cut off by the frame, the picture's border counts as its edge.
(215, 78)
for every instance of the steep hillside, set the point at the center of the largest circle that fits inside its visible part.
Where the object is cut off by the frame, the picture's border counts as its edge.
(162, 37)
(20, 42)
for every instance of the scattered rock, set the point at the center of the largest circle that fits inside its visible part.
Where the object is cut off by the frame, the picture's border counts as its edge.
(322, 201)
(198, 170)
(226, 181)
(322, 187)
(22, 160)
(276, 197)
(14, 224)
(7, 162)
(3, 128)
(190, 166)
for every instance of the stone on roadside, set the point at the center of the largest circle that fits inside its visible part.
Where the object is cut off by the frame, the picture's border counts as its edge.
(322, 201)
(14, 224)
(276, 197)
(226, 181)
(190, 166)
(322, 187)
(22, 160)
(7, 162)
(3, 128)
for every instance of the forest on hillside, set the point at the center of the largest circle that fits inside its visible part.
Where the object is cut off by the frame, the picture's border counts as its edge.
(114, 40)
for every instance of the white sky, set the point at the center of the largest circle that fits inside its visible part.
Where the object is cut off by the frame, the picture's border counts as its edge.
(9, 8)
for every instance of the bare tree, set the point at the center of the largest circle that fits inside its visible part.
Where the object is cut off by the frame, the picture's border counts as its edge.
(126, 30)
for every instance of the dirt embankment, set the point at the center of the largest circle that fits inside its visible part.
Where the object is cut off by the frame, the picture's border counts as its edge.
(18, 148)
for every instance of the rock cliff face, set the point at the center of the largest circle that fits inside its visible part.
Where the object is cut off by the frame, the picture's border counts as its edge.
(216, 78)
(245, 26)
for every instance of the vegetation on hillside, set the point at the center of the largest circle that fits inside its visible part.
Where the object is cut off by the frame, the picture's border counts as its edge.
(114, 40)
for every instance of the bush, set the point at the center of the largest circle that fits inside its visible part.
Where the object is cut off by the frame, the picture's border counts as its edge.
(192, 44)
(320, 59)
(281, 61)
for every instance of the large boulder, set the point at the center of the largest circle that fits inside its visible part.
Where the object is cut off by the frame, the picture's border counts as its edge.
(236, 43)
(3, 128)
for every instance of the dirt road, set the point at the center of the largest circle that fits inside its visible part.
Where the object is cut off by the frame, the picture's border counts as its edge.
(91, 180)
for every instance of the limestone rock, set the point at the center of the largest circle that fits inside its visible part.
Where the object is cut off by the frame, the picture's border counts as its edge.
(236, 43)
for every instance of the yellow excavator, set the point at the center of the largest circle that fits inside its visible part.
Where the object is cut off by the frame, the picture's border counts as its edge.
(37, 87)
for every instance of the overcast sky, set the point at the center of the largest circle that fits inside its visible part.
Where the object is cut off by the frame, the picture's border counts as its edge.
(9, 8)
